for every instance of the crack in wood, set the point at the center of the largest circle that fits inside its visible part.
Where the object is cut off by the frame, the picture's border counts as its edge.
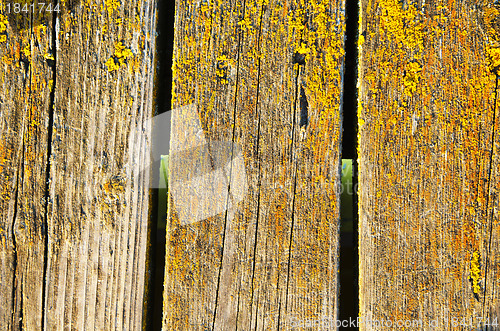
(259, 172)
(489, 192)
(45, 226)
(296, 101)
(229, 181)
(14, 243)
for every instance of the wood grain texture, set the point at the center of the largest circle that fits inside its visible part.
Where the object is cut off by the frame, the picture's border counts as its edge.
(23, 165)
(74, 178)
(271, 259)
(428, 155)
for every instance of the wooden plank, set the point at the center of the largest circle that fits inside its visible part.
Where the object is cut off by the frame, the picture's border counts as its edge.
(263, 79)
(73, 166)
(23, 165)
(428, 155)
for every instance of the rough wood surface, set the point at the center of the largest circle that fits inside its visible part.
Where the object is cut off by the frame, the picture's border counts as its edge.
(73, 181)
(428, 161)
(270, 260)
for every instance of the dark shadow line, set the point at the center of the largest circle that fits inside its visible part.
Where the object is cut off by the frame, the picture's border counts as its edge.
(488, 194)
(349, 111)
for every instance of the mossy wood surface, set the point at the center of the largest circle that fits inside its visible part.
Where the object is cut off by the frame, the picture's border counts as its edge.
(73, 189)
(428, 160)
(271, 259)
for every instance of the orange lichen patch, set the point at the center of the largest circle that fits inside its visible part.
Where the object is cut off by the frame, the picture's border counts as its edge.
(6, 155)
(113, 190)
(115, 185)
(30, 138)
(7, 59)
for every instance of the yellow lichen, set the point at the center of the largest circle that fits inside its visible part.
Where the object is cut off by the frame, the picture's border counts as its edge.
(413, 65)
(6, 59)
(361, 122)
(361, 40)
(412, 77)
(3, 28)
(205, 6)
(475, 272)
(116, 184)
(491, 16)
(314, 33)
(303, 49)
(112, 64)
(121, 52)
(40, 30)
(112, 5)
(119, 58)
(222, 68)
(403, 30)
(27, 51)
(245, 24)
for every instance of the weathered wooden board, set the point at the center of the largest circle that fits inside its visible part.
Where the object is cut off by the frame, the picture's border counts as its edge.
(252, 243)
(428, 160)
(25, 103)
(74, 178)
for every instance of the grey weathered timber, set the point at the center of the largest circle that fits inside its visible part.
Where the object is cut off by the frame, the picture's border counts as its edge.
(73, 168)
